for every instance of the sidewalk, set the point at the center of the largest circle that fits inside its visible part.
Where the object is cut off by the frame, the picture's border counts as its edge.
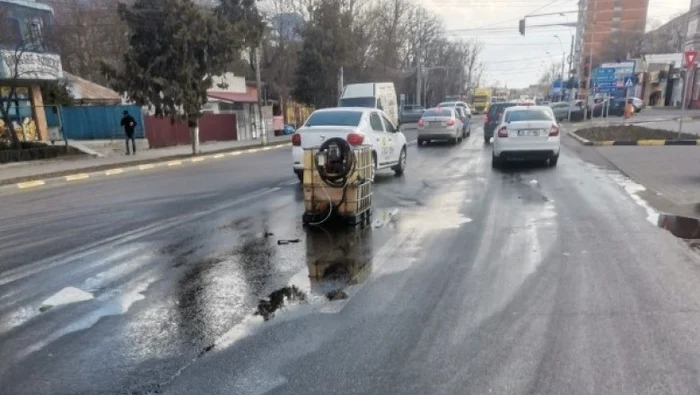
(671, 174)
(27, 171)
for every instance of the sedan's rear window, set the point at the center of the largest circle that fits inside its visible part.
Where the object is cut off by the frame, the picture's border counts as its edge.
(334, 118)
(528, 115)
(438, 112)
(499, 108)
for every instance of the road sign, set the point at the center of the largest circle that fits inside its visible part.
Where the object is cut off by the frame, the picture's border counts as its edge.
(689, 57)
(629, 82)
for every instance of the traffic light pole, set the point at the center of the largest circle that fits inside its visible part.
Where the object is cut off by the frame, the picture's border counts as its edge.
(590, 60)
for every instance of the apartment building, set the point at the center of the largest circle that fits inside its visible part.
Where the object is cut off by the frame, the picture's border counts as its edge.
(613, 29)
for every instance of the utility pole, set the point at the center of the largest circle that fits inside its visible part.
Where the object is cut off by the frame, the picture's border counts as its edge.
(688, 70)
(590, 58)
(341, 84)
(258, 84)
(419, 83)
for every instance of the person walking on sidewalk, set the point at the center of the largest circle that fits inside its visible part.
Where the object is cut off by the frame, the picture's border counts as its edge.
(129, 124)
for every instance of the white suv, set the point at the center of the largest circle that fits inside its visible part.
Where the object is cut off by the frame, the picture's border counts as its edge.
(526, 133)
(357, 126)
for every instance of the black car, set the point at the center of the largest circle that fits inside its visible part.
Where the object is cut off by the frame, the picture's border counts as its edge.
(493, 118)
(617, 107)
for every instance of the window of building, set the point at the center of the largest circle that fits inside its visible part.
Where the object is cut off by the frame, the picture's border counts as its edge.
(35, 36)
(11, 32)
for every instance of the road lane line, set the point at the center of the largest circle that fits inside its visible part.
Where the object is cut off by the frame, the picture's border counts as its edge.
(146, 167)
(175, 163)
(235, 153)
(76, 177)
(198, 159)
(250, 151)
(217, 156)
(114, 171)
(31, 184)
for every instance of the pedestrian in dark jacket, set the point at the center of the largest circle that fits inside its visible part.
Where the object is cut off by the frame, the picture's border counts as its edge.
(129, 124)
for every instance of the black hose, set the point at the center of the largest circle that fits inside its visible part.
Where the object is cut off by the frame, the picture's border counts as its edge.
(337, 176)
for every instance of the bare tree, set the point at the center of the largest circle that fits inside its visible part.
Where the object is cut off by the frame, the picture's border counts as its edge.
(89, 34)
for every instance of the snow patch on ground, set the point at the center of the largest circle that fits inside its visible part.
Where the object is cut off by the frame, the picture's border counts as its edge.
(66, 296)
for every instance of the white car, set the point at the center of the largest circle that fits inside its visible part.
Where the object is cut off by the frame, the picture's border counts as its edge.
(462, 104)
(526, 133)
(358, 126)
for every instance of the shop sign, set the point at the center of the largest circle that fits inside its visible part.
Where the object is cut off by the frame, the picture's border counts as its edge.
(30, 66)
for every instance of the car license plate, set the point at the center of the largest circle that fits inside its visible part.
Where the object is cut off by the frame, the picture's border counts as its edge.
(529, 133)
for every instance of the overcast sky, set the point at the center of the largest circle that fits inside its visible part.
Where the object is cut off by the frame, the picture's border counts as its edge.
(511, 58)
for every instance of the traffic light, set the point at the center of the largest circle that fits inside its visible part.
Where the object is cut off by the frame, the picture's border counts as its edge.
(521, 26)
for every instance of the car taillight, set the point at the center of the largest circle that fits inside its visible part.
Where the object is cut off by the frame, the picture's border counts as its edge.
(450, 122)
(421, 123)
(296, 139)
(503, 132)
(355, 138)
(554, 131)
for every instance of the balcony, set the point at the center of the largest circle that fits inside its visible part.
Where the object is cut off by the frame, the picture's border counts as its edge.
(25, 52)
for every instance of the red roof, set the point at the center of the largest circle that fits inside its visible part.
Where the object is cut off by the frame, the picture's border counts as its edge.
(232, 97)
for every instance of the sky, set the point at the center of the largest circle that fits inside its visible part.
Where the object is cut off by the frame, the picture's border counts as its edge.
(511, 59)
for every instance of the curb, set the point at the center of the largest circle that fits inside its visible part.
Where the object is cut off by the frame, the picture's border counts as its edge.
(107, 171)
(645, 143)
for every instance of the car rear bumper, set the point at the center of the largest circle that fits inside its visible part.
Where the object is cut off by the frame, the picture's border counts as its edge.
(297, 158)
(410, 119)
(540, 150)
(527, 155)
(437, 135)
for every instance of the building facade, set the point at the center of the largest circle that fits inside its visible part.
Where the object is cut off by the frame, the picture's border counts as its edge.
(612, 31)
(27, 59)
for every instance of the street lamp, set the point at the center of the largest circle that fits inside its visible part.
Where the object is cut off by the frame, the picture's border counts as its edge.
(563, 60)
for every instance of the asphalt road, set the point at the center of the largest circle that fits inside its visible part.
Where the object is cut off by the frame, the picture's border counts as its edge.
(529, 280)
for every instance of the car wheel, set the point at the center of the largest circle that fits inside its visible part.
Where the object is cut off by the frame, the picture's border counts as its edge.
(495, 161)
(553, 161)
(374, 166)
(401, 166)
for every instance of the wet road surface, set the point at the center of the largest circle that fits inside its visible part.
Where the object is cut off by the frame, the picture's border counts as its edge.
(201, 280)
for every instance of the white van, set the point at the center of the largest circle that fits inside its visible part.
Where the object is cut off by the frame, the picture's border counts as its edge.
(381, 95)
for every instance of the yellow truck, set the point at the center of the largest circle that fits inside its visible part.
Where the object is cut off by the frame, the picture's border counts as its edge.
(481, 100)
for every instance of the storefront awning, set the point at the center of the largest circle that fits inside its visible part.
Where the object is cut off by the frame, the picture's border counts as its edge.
(232, 97)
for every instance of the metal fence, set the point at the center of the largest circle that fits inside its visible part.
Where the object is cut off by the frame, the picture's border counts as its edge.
(93, 122)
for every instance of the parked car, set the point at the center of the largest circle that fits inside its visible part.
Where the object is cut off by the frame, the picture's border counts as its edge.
(526, 133)
(440, 123)
(410, 113)
(560, 110)
(617, 107)
(466, 122)
(493, 118)
(462, 104)
(357, 126)
(578, 110)
(379, 95)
